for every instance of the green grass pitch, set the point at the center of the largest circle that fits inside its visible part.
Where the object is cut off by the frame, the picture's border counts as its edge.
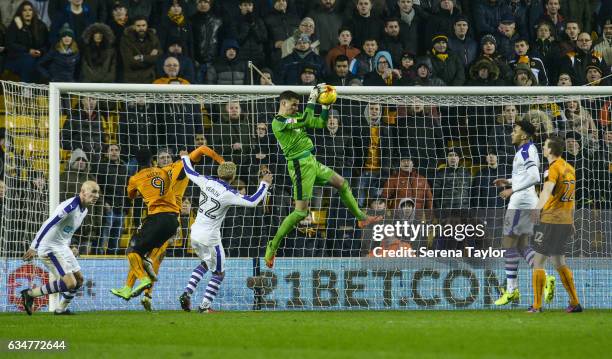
(321, 335)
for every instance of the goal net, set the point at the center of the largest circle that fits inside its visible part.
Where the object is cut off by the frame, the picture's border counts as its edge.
(415, 156)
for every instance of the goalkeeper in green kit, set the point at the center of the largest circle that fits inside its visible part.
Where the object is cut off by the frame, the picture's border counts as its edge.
(305, 171)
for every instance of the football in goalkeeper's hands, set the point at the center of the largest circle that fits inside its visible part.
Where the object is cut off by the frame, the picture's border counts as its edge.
(328, 95)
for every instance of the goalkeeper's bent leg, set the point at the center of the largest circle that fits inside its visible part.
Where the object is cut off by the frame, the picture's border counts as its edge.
(349, 201)
(288, 224)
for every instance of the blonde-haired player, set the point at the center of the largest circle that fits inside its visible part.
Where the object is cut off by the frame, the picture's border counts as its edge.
(216, 196)
(52, 244)
(556, 224)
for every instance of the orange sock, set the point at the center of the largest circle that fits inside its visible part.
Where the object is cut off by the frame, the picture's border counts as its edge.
(131, 278)
(539, 279)
(567, 277)
(136, 265)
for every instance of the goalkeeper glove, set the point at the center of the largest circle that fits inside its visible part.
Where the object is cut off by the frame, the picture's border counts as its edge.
(314, 95)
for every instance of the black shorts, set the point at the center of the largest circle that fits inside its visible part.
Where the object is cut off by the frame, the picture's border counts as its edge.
(154, 231)
(550, 239)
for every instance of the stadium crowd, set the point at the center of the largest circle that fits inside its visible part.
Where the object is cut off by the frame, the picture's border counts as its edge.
(400, 159)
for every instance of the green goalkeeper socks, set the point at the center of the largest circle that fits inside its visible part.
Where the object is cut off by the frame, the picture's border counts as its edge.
(350, 202)
(288, 224)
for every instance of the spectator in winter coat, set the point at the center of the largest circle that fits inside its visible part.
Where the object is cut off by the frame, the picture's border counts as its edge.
(363, 63)
(99, 56)
(227, 68)
(424, 74)
(26, 42)
(384, 73)
(205, 27)
(327, 20)
(301, 56)
(78, 17)
(252, 34)
(140, 50)
(452, 184)
(280, 26)
(461, 43)
(307, 26)
(341, 75)
(60, 64)
(408, 183)
(447, 66)
(176, 25)
(484, 73)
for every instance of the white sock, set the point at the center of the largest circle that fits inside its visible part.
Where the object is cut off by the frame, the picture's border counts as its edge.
(511, 284)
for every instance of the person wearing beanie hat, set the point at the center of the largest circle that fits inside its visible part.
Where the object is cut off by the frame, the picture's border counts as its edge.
(306, 26)
(488, 50)
(65, 30)
(447, 66)
(308, 75)
(292, 65)
(594, 76)
(488, 38)
(60, 64)
(461, 41)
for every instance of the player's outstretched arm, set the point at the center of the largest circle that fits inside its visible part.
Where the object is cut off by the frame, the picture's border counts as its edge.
(193, 175)
(254, 199)
(197, 154)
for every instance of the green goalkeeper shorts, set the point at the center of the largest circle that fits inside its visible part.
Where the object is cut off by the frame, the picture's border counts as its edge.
(305, 173)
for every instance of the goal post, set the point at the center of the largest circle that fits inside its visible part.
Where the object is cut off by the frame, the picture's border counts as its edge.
(415, 155)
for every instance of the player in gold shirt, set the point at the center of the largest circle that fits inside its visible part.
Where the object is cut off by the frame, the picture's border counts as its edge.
(176, 184)
(153, 184)
(556, 224)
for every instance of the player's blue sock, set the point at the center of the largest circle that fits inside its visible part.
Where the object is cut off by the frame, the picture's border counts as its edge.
(196, 277)
(529, 254)
(211, 290)
(511, 258)
(50, 288)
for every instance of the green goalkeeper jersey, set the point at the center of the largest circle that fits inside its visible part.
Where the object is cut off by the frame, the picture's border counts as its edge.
(290, 131)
